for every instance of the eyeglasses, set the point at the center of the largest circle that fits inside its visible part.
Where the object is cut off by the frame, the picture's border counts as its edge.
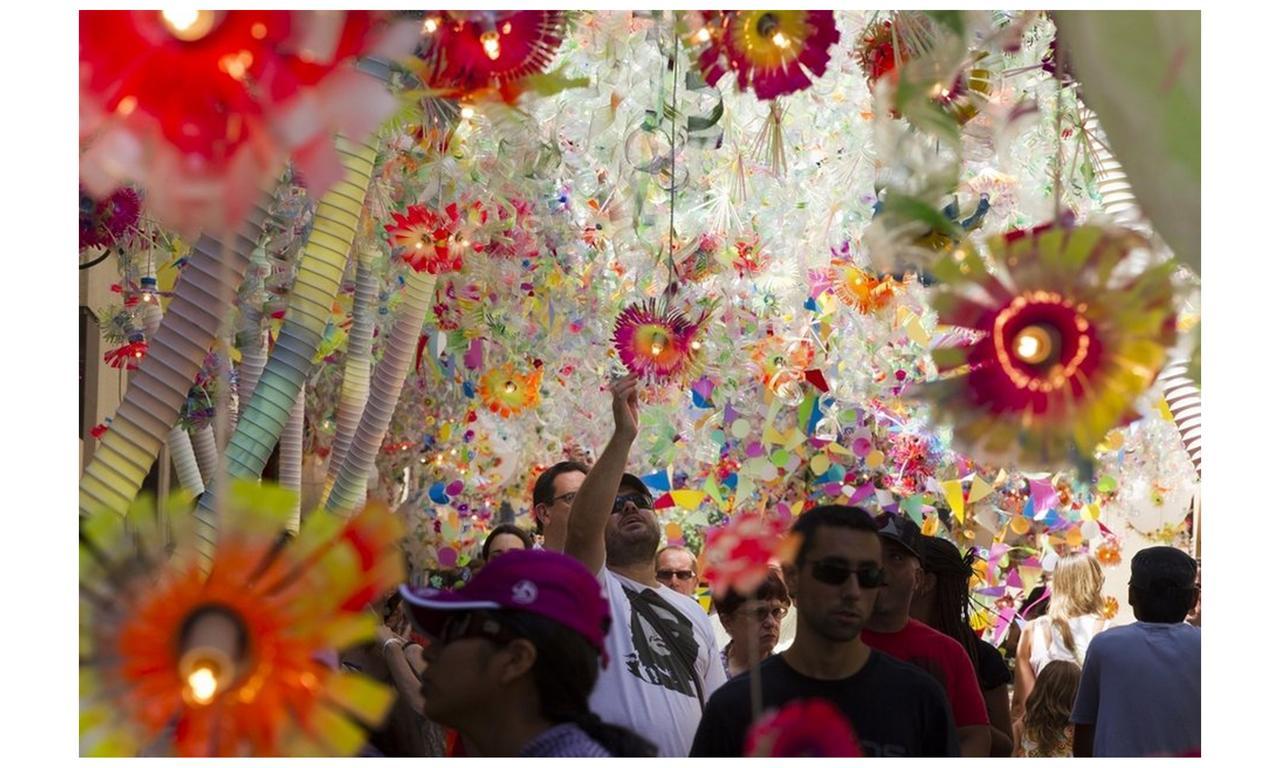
(762, 612)
(665, 575)
(641, 501)
(474, 624)
(567, 498)
(837, 572)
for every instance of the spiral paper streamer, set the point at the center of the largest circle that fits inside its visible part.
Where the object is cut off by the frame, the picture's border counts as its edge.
(206, 449)
(291, 461)
(158, 389)
(1118, 200)
(178, 440)
(324, 257)
(355, 377)
(353, 477)
(1183, 397)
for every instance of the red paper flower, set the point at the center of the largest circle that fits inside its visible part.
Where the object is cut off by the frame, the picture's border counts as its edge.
(803, 728)
(737, 554)
(98, 430)
(104, 222)
(773, 52)
(471, 51)
(878, 58)
(749, 259)
(1067, 344)
(201, 107)
(426, 240)
(127, 356)
(657, 346)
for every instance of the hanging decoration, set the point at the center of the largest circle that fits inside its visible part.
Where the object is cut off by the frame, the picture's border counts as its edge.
(657, 345)
(1069, 344)
(507, 392)
(772, 53)
(468, 53)
(239, 661)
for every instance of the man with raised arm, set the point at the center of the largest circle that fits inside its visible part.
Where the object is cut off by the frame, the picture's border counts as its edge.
(665, 662)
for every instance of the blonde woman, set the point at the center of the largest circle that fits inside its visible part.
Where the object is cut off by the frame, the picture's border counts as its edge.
(1066, 629)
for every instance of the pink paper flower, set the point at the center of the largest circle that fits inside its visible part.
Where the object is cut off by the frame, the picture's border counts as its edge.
(772, 52)
(657, 346)
(202, 107)
(738, 554)
(803, 728)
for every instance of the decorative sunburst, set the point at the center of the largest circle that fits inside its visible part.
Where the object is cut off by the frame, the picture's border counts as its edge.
(471, 51)
(1067, 343)
(858, 288)
(507, 392)
(658, 346)
(772, 52)
(426, 239)
(230, 662)
(780, 362)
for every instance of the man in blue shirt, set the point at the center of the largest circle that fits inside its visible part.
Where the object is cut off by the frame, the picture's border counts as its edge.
(1139, 692)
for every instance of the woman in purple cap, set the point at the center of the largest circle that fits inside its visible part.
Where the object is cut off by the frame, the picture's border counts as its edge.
(514, 656)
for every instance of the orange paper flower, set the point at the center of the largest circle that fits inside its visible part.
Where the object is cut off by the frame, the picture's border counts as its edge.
(507, 392)
(230, 662)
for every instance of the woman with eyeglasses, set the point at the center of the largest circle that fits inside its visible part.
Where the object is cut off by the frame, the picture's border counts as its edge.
(514, 657)
(758, 616)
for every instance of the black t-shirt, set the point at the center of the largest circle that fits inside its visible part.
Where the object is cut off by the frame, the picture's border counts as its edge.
(993, 672)
(896, 709)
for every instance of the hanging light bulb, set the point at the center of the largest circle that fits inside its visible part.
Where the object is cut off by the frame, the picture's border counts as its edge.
(492, 48)
(511, 387)
(695, 345)
(188, 25)
(781, 40)
(430, 25)
(659, 344)
(703, 35)
(212, 644)
(1033, 344)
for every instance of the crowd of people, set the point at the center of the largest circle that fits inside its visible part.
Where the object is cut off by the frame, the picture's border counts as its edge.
(591, 643)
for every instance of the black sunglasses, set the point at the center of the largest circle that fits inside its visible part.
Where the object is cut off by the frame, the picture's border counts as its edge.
(836, 572)
(475, 624)
(681, 575)
(640, 500)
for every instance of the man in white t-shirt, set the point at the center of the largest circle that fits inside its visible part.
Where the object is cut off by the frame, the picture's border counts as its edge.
(666, 664)
(1139, 693)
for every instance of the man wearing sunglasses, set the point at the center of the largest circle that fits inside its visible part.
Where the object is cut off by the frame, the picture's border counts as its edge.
(678, 569)
(895, 709)
(667, 662)
(891, 629)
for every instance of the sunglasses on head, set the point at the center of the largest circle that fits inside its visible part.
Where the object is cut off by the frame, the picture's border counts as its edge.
(837, 572)
(640, 500)
(665, 575)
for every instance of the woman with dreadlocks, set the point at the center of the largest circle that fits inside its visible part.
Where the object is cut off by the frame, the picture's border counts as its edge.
(942, 602)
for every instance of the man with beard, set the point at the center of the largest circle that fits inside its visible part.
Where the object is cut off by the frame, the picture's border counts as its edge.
(663, 640)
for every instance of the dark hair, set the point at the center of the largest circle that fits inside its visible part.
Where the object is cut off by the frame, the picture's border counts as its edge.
(1035, 604)
(773, 588)
(951, 573)
(831, 516)
(564, 675)
(544, 488)
(514, 530)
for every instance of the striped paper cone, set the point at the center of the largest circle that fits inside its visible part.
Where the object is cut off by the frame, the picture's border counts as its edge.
(355, 377)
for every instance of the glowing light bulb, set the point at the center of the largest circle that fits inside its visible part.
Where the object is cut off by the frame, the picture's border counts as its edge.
(511, 387)
(781, 40)
(187, 24)
(703, 35)
(1032, 345)
(430, 25)
(696, 345)
(492, 48)
(468, 113)
(203, 683)
(418, 245)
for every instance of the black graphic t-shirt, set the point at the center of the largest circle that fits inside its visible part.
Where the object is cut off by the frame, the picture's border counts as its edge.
(646, 686)
(896, 709)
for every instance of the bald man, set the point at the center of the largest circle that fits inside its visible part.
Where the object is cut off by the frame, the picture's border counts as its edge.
(678, 569)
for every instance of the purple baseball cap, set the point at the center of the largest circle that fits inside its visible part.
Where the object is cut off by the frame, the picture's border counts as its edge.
(534, 581)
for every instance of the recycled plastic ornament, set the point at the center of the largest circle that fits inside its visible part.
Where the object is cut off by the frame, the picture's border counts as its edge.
(231, 663)
(660, 346)
(506, 392)
(425, 239)
(773, 53)
(472, 51)
(1067, 346)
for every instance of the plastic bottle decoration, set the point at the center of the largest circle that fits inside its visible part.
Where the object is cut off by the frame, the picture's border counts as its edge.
(1068, 345)
(425, 238)
(659, 346)
(232, 663)
(507, 392)
(773, 53)
(469, 52)
(107, 221)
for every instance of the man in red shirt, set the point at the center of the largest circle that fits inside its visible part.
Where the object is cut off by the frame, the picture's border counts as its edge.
(892, 630)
